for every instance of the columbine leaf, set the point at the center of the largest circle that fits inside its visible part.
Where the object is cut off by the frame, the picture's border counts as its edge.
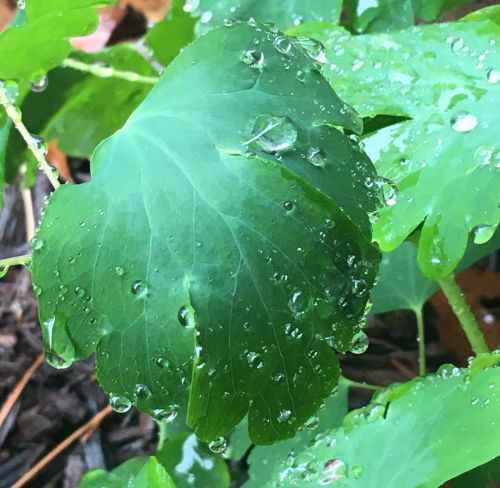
(403, 439)
(445, 78)
(223, 243)
(284, 14)
(41, 42)
(135, 473)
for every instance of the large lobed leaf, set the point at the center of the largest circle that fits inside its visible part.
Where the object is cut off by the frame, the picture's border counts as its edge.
(283, 14)
(41, 41)
(417, 434)
(446, 79)
(222, 246)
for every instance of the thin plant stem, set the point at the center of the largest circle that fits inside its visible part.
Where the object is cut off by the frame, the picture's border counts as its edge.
(5, 263)
(422, 361)
(363, 385)
(15, 115)
(29, 215)
(162, 434)
(464, 314)
(108, 72)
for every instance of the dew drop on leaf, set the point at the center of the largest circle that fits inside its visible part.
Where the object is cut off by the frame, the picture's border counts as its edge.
(359, 343)
(357, 472)
(282, 44)
(119, 403)
(40, 84)
(206, 17)
(463, 121)
(316, 157)
(387, 190)
(165, 415)
(185, 316)
(21, 4)
(312, 423)
(493, 76)
(57, 361)
(297, 303)
(141, 391)
(336, 469)
(191, 5)
(119, 270)
(313, 48)
(37, 244)
(218, 445)
(288, 205)
(283, 416)
(483, 233)
(140, 289)
(253, 58)
(457, 44)
(273, 134)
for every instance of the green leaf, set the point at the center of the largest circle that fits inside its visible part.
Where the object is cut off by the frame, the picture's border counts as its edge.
(284, 14)
(401, 284)
(4, 137)
(42, 42)
(135, 473)
(444, 77)
(417, 434)
(192, 464)
(265, 462)
(223, 246)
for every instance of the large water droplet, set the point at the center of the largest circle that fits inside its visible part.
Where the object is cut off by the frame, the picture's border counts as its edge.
(273, 134)
(140, 289)
(387, 190)
(282, 44)
(141, 391)
(312, 423)
(39, 84)
(253, 58)
(165, 414)
(186, 317)
(57, 361)
(336, 469)
(298, 302)
(313, 48)
(283, 416)
(463, 121)
(119, 403)
(316, 157)
(493, 75)
(483, 233)
(37, 243)
(206, 17)
(218, 445)
(457, 45)
(359, 343)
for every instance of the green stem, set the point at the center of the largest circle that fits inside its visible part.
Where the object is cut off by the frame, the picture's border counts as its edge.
(464, 315)
(162, 434)
(108, 72)
(4, 263)
(363, 385)
(15, 115)
(422, 366)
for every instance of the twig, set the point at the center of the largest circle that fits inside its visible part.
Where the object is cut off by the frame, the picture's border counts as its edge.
(5, 263)
(91, 424)
(14, 114)
(16, 392)
(108, 72)
(463, 313)
(363, 385)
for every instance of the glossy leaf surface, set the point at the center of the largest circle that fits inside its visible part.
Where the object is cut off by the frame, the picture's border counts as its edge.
(404, 438)
(213, 13)
(223, 247)
(41, 40)
(445, 78)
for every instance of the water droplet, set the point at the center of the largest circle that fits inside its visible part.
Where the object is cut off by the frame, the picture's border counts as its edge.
(359, 343)
(474, 401)
(357, 472)
(206, 17)
(21, 4)
(483, 233)
(186, 317)
(283, 416)
(463, 122)
(301, 75)
(316, 157)
(493, 76)
(298, 302)
(57, 361)
(37, 244)
(228, 23)
(336, 469)
(359, 287)
(79, 291)
(165, 415)
(313, 48)
(11, 90)
(457, 44)
(288, 205)
(282, 44)
(140, 289)
(218, 445)
(119, 270)
(161, 362)
(273, 134)
(253, 58)
(387, 190)
(312, 423)
(141, 391)
(191, 5)
(39, 84)
(119, 403)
